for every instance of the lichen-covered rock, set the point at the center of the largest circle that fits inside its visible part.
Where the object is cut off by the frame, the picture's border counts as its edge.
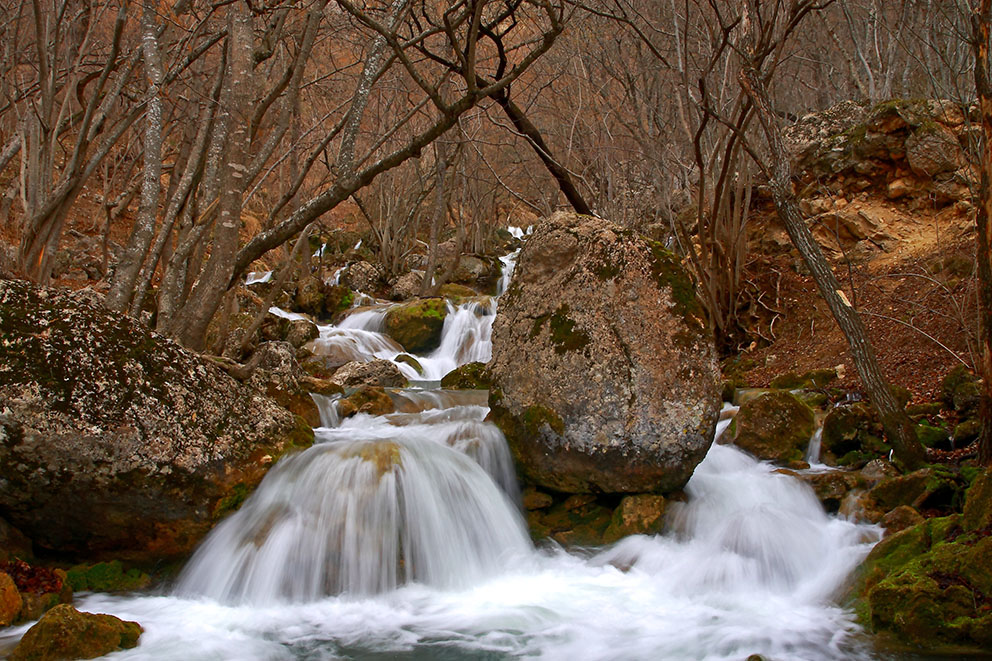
(776, 426)
(417, 325)
(114, 440)
(65, 633)
(406, 286)
(930, 584)
(378, 372)
(301, 331)
(604, 375)
(363, 277)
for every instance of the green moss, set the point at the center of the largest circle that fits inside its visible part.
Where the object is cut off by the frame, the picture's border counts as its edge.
(106, 577)
(564, 335)
(232, 501)
(535, 416)
(472, 376)
(667, 272)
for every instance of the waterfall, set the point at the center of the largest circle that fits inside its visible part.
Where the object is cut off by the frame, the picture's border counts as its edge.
(371, 506)
(400, 537)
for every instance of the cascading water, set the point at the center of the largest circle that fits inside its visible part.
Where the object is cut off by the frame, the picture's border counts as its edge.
(397, 537)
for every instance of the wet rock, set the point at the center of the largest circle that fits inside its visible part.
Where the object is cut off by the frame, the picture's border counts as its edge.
(65, 633)
(10, 600)
(577, 521)
(471, 376)
(536, 500)
(642, 514)
(417, 325)
(367, 399)
(776, 426)
(456, 292)
(833, 487)
(378, 372)
(411, 361)
(114, 440)
(309, 296)
(604, 376)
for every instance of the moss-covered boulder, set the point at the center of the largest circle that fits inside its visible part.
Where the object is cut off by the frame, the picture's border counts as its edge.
(604, 376)
(852, 435)
(417, 325)
(930, 585)
(115, 441)
(65, 633)
(959, 376)
(776, 426)
(818, 378)
(978, 504)
(471, 376)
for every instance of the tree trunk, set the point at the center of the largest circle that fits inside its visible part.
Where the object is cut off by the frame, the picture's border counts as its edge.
(981, 24)
(899, 429)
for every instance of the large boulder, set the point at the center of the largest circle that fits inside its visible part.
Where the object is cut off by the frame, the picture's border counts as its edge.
(115, 441)
(776, 426)
(604, 377)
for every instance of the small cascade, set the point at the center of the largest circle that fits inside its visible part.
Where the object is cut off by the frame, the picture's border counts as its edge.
(813, 449)
(370, 507)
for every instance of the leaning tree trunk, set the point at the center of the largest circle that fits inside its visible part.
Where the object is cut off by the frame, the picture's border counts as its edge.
(981, 22)
(899, 429)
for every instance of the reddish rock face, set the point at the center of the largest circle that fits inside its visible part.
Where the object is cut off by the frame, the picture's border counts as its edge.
(115, 441)
(604, 376)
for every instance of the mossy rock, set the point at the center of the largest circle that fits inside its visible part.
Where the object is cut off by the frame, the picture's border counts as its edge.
(456, 292)
(933, 437)
(407, 359)
(933, 488)
(65, 633)
(417, 326)
(471, 376)
(109, 576)
(978, 503)
(640, 514)
(929, 584)
(337, 299)
(776, 426)
(966, 398)
(966, 432)
(853, 434)
(578, 521)
(818, 378)
(955, 378)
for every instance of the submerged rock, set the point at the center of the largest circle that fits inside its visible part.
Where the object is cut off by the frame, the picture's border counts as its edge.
(115, 441)
(65, 633)
(604, 376)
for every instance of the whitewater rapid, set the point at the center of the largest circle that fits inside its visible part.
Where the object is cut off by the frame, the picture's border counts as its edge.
(402, 537)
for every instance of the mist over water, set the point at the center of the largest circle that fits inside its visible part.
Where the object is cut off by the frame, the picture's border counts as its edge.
(401, 537)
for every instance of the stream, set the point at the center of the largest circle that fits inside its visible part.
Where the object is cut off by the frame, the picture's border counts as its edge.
(401, 537)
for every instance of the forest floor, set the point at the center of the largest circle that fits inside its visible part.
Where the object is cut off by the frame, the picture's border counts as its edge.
(915, 289)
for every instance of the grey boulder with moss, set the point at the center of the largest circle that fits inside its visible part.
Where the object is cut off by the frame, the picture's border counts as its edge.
(117, 442)
(604, 375)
